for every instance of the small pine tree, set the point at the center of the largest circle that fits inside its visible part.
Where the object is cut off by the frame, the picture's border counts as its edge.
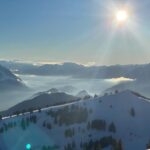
(112, 128)
(148, 145)
(132, 112)
(14, 124)
(23, 125)
(1, 130)
(44, 123)
(73, 144)
(0, 117)
(116, 91)
(88, 125)
(120, 147)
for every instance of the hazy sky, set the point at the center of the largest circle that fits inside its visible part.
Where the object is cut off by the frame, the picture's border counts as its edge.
(74, 30)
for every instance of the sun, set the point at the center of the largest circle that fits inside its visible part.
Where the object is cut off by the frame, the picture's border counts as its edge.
(121, 16)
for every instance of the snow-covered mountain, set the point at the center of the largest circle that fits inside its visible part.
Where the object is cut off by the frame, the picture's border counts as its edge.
(68, 89)
(83, 94)
(41, 100)
(139, 86)
(118, 121)
(8, 81)
(139, 71)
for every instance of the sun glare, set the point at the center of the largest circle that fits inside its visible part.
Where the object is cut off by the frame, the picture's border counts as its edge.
(121, 16)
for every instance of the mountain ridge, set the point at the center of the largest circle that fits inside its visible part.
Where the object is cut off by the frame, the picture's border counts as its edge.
(128, 113)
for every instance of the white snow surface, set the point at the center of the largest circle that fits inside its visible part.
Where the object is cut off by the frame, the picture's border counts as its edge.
(133, 131)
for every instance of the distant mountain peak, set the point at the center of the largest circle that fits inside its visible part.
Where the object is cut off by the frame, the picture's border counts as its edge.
(9, 81)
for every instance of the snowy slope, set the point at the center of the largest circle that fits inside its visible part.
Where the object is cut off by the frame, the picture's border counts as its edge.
(132, 127)
(41, 100)
(137, 85)
(8, 81)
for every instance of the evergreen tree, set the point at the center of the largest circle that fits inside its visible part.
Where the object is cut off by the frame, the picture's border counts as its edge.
(44, 123)
(132, 112)
(88, 126)
(23, 124)
(112, 128)
(120, 145)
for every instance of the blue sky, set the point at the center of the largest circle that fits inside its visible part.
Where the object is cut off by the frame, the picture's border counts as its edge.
(72, 30)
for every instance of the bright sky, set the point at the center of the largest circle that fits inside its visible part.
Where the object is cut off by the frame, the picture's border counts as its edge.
(82, 31)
